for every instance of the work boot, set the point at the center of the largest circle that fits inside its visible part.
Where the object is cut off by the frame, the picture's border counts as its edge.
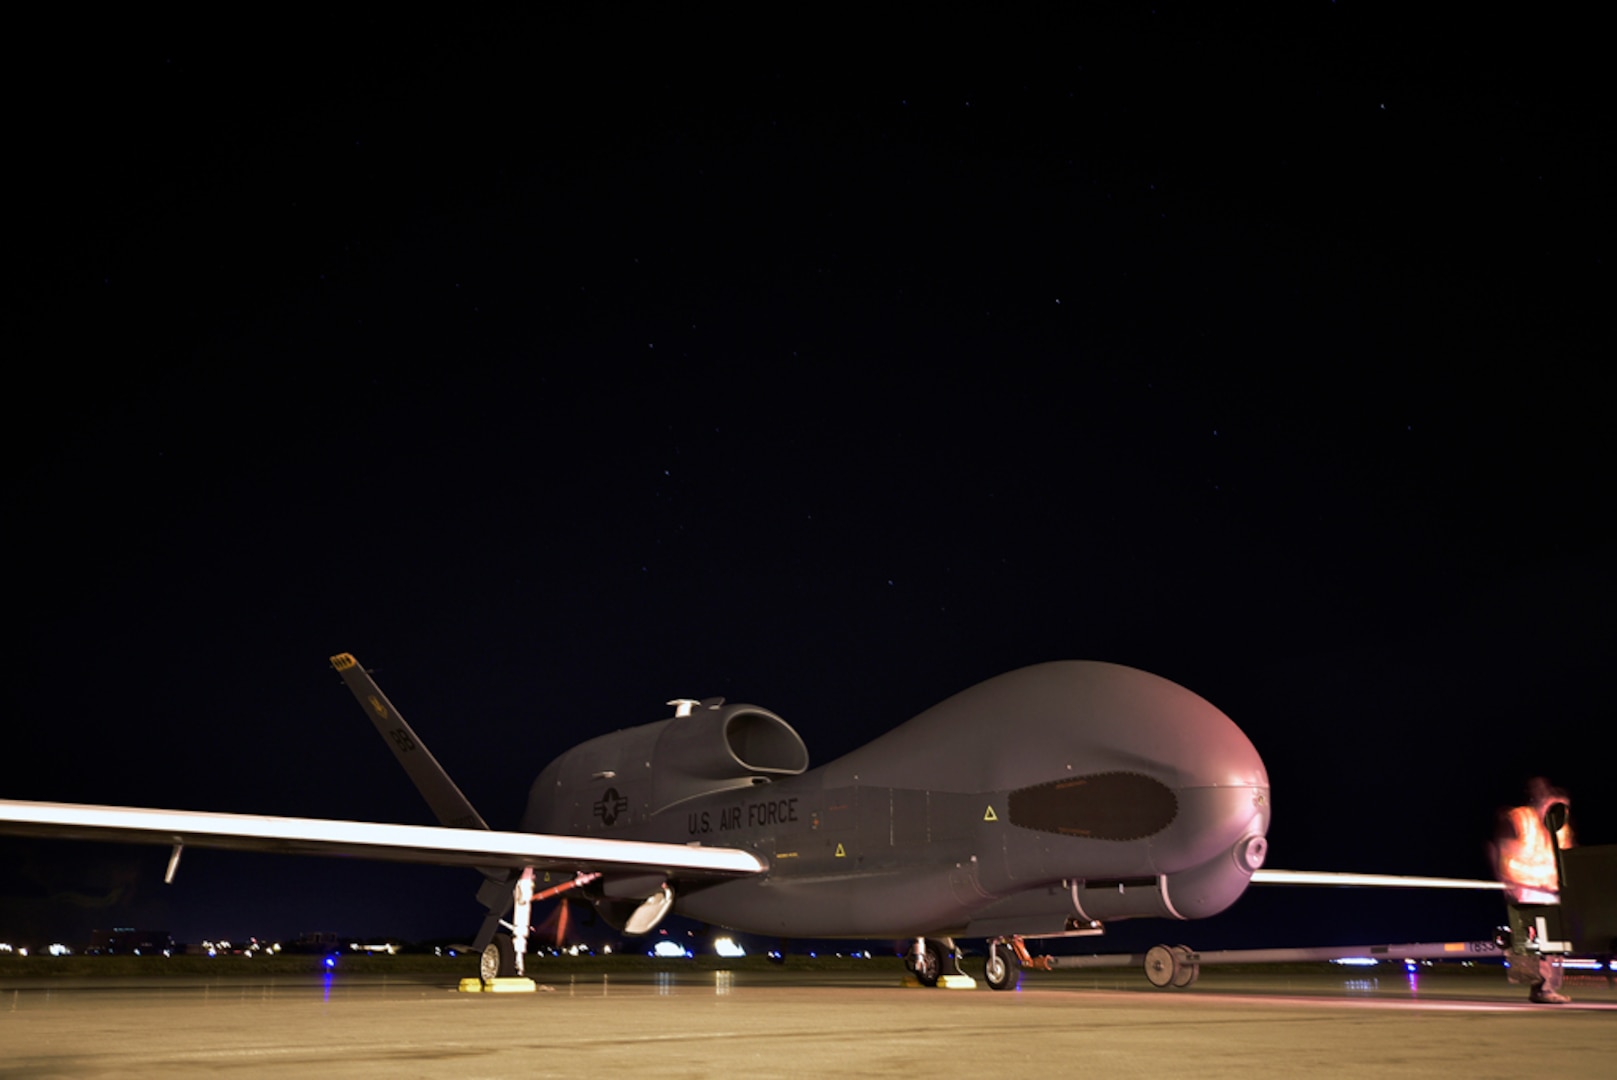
(1540, 995)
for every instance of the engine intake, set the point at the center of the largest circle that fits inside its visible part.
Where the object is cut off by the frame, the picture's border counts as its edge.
(714, 747)
(629, 775)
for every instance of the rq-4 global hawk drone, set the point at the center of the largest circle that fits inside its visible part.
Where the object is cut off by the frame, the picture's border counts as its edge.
(1041, 803)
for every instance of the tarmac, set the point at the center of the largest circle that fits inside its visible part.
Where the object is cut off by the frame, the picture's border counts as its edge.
(703, 1023)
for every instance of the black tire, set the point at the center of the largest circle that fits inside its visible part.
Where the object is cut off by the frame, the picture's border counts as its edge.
(928, 965)
(499, 959)
(1000, 972)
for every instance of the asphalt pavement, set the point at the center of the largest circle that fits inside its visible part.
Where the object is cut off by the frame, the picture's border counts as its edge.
(703, 1023)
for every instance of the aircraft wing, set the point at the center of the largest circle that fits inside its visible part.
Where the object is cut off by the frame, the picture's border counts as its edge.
(1383, 881)
(434, 845)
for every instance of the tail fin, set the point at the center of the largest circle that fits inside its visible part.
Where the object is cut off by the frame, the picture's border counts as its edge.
(448, 803)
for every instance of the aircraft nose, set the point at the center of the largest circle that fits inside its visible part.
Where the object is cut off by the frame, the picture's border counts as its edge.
(1207, 855)
(1104, 717)
(1185, 765)
(1086, 748)
(1134, 756)
(1222, 792)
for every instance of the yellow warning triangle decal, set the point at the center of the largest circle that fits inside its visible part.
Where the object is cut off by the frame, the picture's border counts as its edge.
(990, 815)
(841, 854)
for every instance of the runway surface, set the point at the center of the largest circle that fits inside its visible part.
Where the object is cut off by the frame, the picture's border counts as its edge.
(699, 1023)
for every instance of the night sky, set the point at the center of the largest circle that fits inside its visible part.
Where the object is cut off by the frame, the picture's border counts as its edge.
(559, 366)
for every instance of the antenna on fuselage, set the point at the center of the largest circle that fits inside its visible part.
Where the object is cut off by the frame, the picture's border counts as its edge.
(683, 706)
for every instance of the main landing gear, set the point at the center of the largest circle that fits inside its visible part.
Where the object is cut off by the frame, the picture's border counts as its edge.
(499, 959)
(502, 957)
(935, 962)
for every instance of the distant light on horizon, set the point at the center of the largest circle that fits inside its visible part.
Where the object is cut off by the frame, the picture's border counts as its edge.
(1582, 964)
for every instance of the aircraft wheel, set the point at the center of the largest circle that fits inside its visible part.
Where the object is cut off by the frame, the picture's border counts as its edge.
(1186, 970)
(928, 965)
(499, 959)
(1000, 973)
(1161, 966)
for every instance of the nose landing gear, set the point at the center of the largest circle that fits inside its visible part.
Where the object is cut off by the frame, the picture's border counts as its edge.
(1000, 970)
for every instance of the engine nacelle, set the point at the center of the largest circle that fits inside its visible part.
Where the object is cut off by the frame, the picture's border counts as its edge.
(631, 775)
(716, 746)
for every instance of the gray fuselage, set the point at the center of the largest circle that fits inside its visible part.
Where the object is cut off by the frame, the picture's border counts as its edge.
(1062, 791)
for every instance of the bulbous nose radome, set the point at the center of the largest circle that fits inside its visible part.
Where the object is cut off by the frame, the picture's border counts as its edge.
(1146, 761)
(1220, 787)
(1093, 718)
(1223, 843)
